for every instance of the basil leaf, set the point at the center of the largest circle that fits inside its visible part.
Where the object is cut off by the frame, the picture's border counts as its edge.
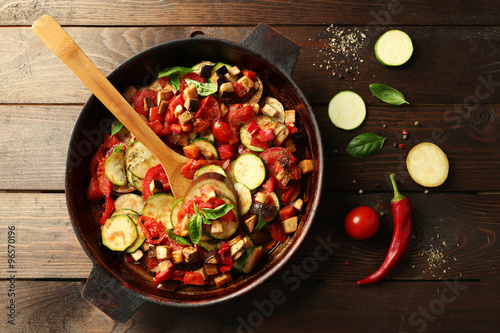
(204, 89)
(175, 81)
(387, 94)
(117, 128)
(118, 148)
(195, 228)
(365, 144)
(218, 212)
(260, 224)
(175, 70)
(178, 239)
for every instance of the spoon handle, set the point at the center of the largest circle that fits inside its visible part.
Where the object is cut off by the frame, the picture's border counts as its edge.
(63, 46)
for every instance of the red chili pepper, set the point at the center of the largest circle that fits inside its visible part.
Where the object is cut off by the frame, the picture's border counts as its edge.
(400, 238)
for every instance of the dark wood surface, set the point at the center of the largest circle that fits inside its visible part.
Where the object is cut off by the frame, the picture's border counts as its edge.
(449, 278)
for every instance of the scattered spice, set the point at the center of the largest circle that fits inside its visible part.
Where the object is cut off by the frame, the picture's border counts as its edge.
(341, 51)
(360, 191)
(426, 192)
(347, 263)
(405, 132)
(416, 123)
(381, 213)
(401, 146)
(405, 137)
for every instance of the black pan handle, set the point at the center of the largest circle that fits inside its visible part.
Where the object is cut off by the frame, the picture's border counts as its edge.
(108, 295)
(273, 46)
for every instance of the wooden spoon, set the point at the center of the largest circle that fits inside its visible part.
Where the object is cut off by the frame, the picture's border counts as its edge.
(59, 42)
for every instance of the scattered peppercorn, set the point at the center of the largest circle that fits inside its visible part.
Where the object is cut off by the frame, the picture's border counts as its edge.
(426, 192)
(416, 123)
(381, 213)
(401, 146)
(360, 191)
(384, 125)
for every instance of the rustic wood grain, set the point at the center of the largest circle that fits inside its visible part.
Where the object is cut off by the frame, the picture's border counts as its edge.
(441, 306)
(453, 236)
(83, 12)
(451, 65)
(36, 144)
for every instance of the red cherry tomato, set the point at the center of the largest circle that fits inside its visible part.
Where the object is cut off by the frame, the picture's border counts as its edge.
(361, 223)
(222, 131)
(239, 113)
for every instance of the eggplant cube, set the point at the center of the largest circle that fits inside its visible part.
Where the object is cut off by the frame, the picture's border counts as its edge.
(137, 255)
(177, 257)
(221, 71)
(268, 110)
(284, 177)
(226, 90)
(185, 117)
(211, 269)
(222, 279)
(190, 92)
(250, 223)
(148, 104)
(165, 95)
(289, 116)
(162, 109)
(246, 82)
(216, 227)
(306, 166)
(290, 225)
(189, 254)
(261, 197)
(163, 252)
(206, 69)
(298, 204)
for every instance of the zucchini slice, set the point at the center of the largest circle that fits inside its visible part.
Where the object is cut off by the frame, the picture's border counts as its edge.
(277, 203)
(175, 212)
(207, 148)
(129, 201)
(230, 172)
(250, 170)
(125, 211)
(209, 245)
(135, 181)
(114, 169)
(393, 48)
(140, 235)
(218, 182)
(244, 198)
(249, 260)
(119, 232)
(264, 122)
(228, 228)
(347, 110)
(209, 168)
(138, 159)
(159, 207)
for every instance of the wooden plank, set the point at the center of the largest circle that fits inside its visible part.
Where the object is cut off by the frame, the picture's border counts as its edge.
(84, 12)
(451, 65)
(454, 236)
(457, 306)
(45, 243)
(36, 144)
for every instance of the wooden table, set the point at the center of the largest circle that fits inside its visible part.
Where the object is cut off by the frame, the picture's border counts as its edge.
(449, 280)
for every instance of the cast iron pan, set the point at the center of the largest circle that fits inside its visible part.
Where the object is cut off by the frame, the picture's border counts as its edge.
(117, 288)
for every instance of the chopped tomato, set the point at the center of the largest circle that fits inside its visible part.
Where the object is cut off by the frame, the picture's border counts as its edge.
(193, 278)
(154, 231)
(242, 149)
(269, 184)
(170, 273)
(156, 126)
(155, 173)
(96, 159)
(253, 128)
(111, 141)
(239, 90)
(287, 195)
(191, 76)
(138, 100)
(176, 128)
(94, 194)
(105, 185)
(266, 135)
(221, 131)
(152, 263)
(225, 268)
(166, 129)
(200, 204)
(239, 113)
(208, 110)
(174, 102)
(191, 151)
(164, 81)
(249, 74)
(192, 166)
(287, 212)
(200, 125)
(228, 217)
(154, 115)
(276, 159)
(292, 128)
(277, 232)
(256, 142)
(225, 255)
(109, 206)
(225, 151)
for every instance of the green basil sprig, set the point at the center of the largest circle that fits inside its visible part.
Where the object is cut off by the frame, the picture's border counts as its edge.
(117, 128)
(181, 71)
(387, 94)
(178, 239)
(205, 216)
(175, 81)
(260, 224)
(365, 144)
(203, 89)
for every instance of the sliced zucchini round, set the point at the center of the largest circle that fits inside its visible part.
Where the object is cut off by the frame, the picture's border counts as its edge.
(264, 122)
(207, 148)
(209, 168)
(230, 173)
(347, 110)
(125, 211)
(138, 159)
(114, 169)
(250, 170)
(244, 198)
(159, 207)
(175, 212)
(140, 235)
(277, 203)
(119, 232)
(119, 189)
(129, 201)
(393, 48)
(249, 260)
(135, 181)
